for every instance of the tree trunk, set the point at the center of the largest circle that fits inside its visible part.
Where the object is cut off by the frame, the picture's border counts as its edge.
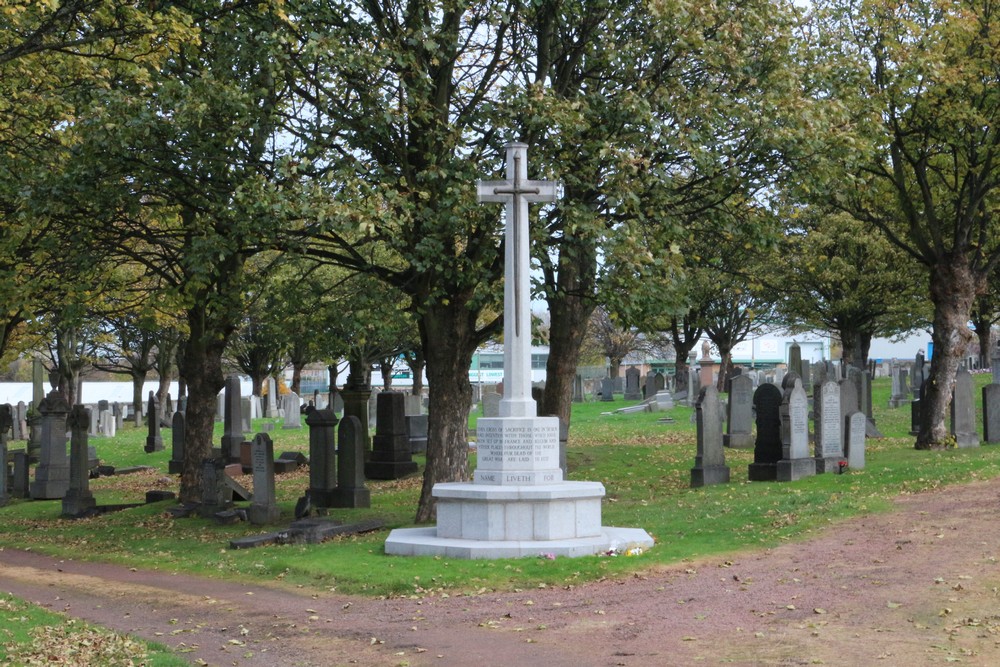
(297, 378)
(953, 288)
(385, 367)
(257, 384)
(138, 379)
(570, 314)
(984, 333)
(724, 366)
(416, 364)
(162, 391)
(448, 336)
(203, 371)
(614, 366)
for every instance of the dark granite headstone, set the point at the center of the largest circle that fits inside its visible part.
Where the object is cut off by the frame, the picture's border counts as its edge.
(52, 473)
(991, 413)
(632, 390)
(154, 441)
(177, 436)
(391, 457)
(767, 448)
(351, 490)
(322, 457)
(78, 500)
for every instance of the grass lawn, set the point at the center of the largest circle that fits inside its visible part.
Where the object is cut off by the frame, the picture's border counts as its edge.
(643, 464)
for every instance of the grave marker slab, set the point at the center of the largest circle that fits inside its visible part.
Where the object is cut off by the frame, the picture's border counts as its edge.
(991, 413)
(351, 490)
(263, 507)
(322, 457)
(767, 448)
(177, 442)
(796, 463)
(829, 430)
(854, 425)
(390, 457)
(78, 500)
(232, 418)
(963, 411)
(710, 461)
(739, 427)
(52, 473)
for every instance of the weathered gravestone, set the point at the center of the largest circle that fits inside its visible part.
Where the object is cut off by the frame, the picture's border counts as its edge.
(78, 500)
(271, 401)
(806, 377)
(900, 392)
(795, 462)
(351, 490)
(739, 409)
(632, 390)
(322, 457)
(293, 412)
(491, 404)
(246, 423)
(915, 407)
(416, 431)
(607, 389)
(15, 424)
(390, 457)
(795, 359)
(21, 480)
(963, 411)
(216, 493)
(854, 427)
(578, 388)
(6, 423)
(848, 401)
(154, 442)
(232, 434)
(767, 448)
(263, 507)
(829, 428)
(991, 412)
(649, 387)
(918, 374)
(52, 473)
(710, 461)
(177, 436)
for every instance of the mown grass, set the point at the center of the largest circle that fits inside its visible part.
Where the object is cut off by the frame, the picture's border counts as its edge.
(644, 465)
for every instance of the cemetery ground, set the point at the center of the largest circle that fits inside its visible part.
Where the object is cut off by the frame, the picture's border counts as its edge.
(894, 562)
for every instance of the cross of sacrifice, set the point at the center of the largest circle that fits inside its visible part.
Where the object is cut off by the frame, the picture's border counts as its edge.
(517, 192)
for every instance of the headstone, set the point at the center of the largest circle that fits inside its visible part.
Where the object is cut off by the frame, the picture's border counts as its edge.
(795, 359)
(829, 429)
(338, 403)
(391, 457)
(351, 490)
(848, 400)
(216, 493)
(246, 421)
(917, 403)
(413, 404)
(779, 376)
(94, 427)
(633, 392)
(256, 409)
(154, 442)
(963, 411)
(918, 374)
(78, 499)
(806, 376)
(649, 387)
(660, 380)
(578, 388)
(37, 383)
(263, 507)
(607, 389)
(232, 419)
(293, 412)
(177, 437)
(991, 413)
(694, 385)
(322, 457)
(900, 394)
(491, 404)
(52, 473)
(854, 425)
(664, 400)
(22, 419)
(6, 423)
(767, 448)
(220, 406)
(21, 481)
(795, 463)
(373, 408)
(739, 428)
(416, 431)
(15, 425)
(710, 462)
(271, 404)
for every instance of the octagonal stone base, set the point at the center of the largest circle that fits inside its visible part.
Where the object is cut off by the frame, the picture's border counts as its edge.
(493, 521)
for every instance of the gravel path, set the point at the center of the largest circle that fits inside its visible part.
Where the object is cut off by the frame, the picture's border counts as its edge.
(917, 586)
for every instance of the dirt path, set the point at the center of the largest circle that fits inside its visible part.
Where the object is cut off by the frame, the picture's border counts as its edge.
(918, 586)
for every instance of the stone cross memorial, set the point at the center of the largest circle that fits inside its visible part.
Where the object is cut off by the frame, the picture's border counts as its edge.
(518, 504)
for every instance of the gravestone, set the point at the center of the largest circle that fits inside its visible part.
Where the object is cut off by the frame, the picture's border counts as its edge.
(854, 427)
(739, 427)
(390, 457)
(322, 457)
(578, 388)
(991, 413)
(806, 377)
(78, 499)
(918, 374)
(373, 408)
(263, 507)
(915, 406)
(293, 413)
(491, 404)
(256, 409)
(767, 448)
(52, 473)
(177, 436)
(6, 423)
(413, 405)
(661, 381)
(22, 417)
(154, 442)
(351, 490)
(848, 401)
(632, 390)
(338, 403)
(21, 480)
(795, 463)
(416, 432)
(15, 425)
(271, 400)
(246, 421)
(220, 406)
(607, 389)
(710, 461)
(232, 419)
(900, 393)
(649, 387)
(795, 359)
(694, 385)
(963, 411)
(779, 376)
(216, 492)
(829, 429)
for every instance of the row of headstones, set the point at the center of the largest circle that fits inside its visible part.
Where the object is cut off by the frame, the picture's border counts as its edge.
(781, 447)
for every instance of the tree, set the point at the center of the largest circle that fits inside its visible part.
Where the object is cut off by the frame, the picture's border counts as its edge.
(903, 134)
(835, 275)
(614, 340)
